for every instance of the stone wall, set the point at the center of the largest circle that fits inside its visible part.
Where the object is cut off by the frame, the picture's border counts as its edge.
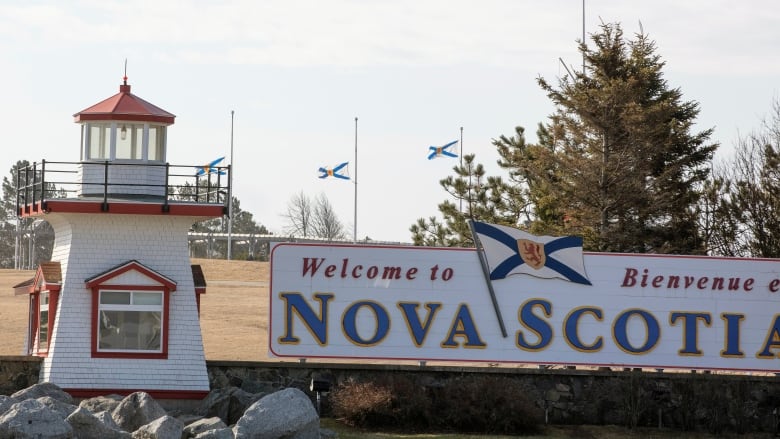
(17, 373)
(685, 401)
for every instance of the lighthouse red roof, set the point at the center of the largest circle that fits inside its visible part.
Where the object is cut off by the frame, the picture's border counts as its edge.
(125, 106)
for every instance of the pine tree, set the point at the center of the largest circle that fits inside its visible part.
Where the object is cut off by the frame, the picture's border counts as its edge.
(619, 160)
(477, 197)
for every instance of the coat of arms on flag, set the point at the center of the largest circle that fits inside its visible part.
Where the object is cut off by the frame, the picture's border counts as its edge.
(441, 151)
(511, 251)
(339, 171)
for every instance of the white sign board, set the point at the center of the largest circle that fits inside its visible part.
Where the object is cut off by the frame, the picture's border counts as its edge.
(422, 303)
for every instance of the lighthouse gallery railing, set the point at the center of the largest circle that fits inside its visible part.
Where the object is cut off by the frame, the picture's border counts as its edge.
(153, 182)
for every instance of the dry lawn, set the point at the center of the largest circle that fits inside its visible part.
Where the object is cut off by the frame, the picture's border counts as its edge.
(234, 310)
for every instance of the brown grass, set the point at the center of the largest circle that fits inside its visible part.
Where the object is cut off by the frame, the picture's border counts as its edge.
(234, 310)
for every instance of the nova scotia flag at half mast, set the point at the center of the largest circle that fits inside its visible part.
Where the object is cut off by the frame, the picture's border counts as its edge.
(512, 251)
(441, 151)
(339, 171)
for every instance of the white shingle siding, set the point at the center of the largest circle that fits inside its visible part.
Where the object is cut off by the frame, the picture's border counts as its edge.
(90, 244)
(122, 179)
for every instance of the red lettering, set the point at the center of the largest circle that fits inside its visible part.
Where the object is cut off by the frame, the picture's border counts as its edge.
(410, 274)
(773, 286)
(629, 280)
(329, 271)
(312, 264)
(702, 283)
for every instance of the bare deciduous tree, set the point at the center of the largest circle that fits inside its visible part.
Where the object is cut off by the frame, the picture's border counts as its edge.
(313, 218)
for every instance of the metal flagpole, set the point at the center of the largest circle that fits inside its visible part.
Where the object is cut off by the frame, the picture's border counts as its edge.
(461, 163)
(486, 273)
(354, 221)
(230, 192)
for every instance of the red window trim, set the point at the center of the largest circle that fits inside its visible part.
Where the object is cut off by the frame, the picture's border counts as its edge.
(163, 355)
(35, 324)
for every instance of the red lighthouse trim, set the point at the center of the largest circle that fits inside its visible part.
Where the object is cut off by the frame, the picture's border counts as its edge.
(101, 282)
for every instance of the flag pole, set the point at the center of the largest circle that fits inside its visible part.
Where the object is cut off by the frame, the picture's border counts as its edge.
(230, 192)
(354, 221)
(486, 273)
(461, 163)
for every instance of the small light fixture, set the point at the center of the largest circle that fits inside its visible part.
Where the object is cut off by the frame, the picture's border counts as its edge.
(123, 132)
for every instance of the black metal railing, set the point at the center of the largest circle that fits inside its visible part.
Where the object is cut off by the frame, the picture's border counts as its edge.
(40, 182)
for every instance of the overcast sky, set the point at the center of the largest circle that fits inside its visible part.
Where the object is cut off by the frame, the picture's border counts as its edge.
(297, 73)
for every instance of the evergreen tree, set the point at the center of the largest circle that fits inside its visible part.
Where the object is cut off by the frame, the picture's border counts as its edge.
(620, 159)
(477, 197)
(616, 163)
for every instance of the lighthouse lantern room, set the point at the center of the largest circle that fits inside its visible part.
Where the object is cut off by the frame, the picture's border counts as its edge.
(116, 308)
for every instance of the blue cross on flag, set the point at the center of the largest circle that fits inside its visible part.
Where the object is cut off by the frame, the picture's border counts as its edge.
(441, 151)
(512, 251)
(335, 172)
(210, 168)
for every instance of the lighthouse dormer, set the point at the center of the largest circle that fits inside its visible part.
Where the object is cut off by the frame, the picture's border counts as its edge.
(117, 135)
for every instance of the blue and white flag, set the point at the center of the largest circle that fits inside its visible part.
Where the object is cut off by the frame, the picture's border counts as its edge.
(210, 168)
(441, 151)
(340, 171)
(511, 251)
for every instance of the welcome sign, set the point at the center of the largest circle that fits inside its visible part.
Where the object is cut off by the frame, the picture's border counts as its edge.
(435, 304)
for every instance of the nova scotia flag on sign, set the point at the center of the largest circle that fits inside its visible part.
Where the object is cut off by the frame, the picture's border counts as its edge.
(511, 251)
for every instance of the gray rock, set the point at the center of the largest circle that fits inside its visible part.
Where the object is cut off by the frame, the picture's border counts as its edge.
(61, 408)
(201, 425)
(135, 410)
(165, 427)
(101, 403)
(32, 419)
(88, 426)
(43, 389)
(227, 404)
(219, 433)
(287, 414)
(6, 402)
(105, 417)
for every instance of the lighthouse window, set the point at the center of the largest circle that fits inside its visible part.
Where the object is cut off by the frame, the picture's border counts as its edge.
(130, 321)
(99, 141)
(156, 137)
(129, 139)
(43, 319)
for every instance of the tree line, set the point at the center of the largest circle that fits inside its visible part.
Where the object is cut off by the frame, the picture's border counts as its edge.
(619, 163)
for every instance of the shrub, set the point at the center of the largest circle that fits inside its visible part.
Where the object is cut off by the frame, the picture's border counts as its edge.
(361, 404)
(472, 403)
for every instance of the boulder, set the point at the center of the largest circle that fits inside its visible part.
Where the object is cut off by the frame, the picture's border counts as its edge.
(32, 419)
(63, 409)
(88, 426)
(105, 417)
(220, 433)
(135, 410)
(43, 389)
(5, 403)
(101, 403)
(166, 427)
(201, 425)
(286, 414)
(227, 404)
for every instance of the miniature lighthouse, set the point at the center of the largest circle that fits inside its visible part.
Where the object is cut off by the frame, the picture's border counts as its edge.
(116, 308)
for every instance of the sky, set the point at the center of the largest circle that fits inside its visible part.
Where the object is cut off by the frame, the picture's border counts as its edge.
(296, 74)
